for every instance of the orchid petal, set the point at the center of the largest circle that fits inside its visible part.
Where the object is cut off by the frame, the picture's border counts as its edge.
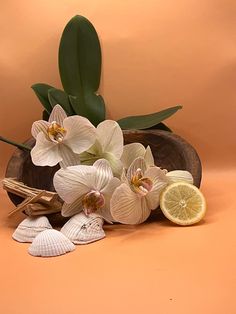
(179, 175)
(69, 158)
(110, 136)
(58, 115)
(95, 149)
(158, 178)
(87, 159)
(45, 153)
(103, 175)
(127, 207)
(153, 199)
(148, 157)
(80, 133)
(73, 182)
(86, 172)
(73, 208)
(108, 190)
(123, 177)
(107, 193)
(92, 154)
(159, 181)
(145, 210)
(131, 152)
(39, 126)
(105, 214)
(115, 163)
(138, 163)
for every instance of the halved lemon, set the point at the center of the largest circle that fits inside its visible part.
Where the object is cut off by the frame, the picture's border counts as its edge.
(183, 203)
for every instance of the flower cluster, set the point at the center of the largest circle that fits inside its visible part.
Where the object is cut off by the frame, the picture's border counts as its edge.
(99, 174)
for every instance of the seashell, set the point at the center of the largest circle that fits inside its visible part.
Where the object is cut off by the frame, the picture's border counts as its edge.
(30, 227)
(50, 243)
(82, 229)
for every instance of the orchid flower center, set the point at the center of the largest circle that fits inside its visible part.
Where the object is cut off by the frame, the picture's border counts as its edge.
(56, 132)
(140, 184)
(93, 201)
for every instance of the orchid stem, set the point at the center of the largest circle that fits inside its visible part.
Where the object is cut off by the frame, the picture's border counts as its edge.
(21, 146)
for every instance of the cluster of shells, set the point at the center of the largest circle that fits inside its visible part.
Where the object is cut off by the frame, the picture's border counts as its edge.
(47, 242)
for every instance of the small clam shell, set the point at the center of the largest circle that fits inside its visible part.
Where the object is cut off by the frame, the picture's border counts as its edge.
(82, 229)
(30, 227)
(50, 243)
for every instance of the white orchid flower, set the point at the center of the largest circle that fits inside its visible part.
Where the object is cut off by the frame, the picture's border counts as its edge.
(61, 139)
(135, 150)
(108, 145)
(139, 194)
(133, 201)
(87, 188)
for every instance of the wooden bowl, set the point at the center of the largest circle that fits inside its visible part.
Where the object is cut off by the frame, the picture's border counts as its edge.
(170, 152)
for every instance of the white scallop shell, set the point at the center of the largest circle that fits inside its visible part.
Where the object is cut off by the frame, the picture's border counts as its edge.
(82, 229)
(50, 243)
(30, 227)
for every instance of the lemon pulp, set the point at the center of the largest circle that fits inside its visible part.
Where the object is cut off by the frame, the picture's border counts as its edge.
(183, 203)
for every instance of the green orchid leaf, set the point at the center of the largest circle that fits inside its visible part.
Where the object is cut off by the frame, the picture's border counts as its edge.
(57, 96)
(160, 126)
(80, 68)
(80, 57)
(41, 91)
(18, 145)
(45, 115)
(93, 108)
(147, 121)
(74, 101)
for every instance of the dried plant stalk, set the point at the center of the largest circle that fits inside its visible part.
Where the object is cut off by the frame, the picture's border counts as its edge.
(28, 200)
(37, 202)
(13, 186)
(37, 209)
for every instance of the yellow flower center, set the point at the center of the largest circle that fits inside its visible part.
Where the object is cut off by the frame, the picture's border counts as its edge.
(93, 201)
(56, 132)
(140, 184)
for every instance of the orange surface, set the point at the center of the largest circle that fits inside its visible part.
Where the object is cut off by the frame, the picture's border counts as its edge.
(155, 54)
(152, 268)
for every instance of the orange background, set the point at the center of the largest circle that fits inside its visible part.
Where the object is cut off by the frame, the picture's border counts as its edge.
(156, 54)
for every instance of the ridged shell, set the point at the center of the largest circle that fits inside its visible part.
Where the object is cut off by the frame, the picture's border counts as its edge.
(30, 227)
(50, 243)
(82, 229)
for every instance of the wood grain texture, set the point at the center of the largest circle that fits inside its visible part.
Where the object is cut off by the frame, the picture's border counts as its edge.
(21, 168)
(170, 152)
